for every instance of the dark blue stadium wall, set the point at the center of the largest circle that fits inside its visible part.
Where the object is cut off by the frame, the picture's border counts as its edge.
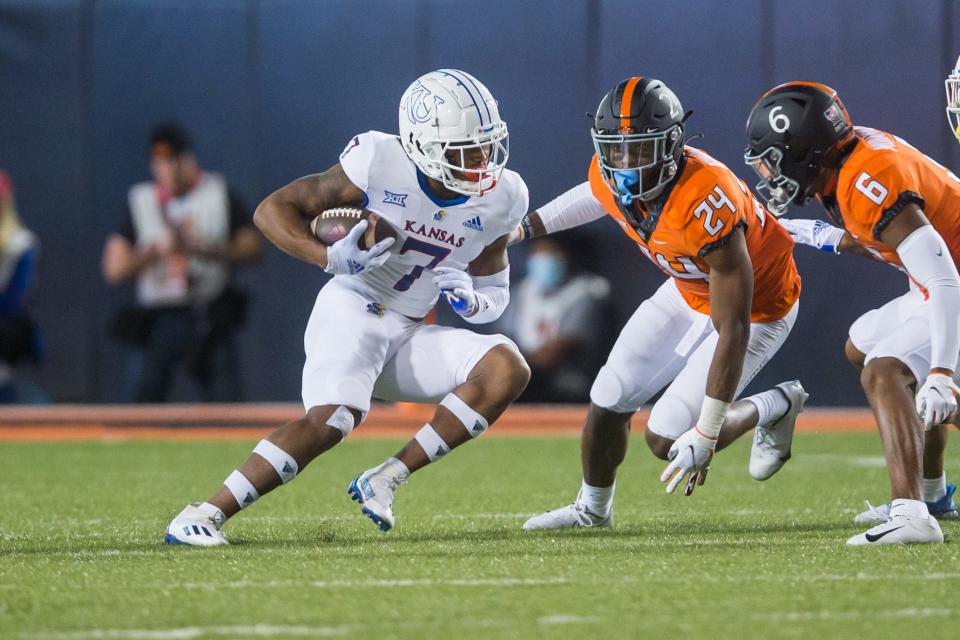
(273, 89)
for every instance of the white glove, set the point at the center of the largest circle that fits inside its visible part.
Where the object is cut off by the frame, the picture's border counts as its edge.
(691, 454)
(937, 400)
(815, 233)
(346, 257)
(457, 287)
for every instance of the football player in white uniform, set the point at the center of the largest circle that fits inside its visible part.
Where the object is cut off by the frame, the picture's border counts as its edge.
(442, 185)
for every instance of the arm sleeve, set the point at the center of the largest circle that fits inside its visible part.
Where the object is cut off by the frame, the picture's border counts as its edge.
(493, 296)
(571, 209)
(927, 260)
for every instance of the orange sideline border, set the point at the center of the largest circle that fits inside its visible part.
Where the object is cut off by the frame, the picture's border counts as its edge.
(217, 422)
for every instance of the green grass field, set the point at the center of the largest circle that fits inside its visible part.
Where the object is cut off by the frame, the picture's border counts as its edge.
(81, 553)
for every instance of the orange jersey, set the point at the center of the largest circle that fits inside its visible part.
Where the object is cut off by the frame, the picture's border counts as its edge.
(882, 175)
(705, 205)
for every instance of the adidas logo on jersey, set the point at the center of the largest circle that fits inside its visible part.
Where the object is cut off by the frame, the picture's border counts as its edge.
(474, 223)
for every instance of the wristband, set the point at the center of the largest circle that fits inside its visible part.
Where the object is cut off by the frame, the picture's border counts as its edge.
(712, 414)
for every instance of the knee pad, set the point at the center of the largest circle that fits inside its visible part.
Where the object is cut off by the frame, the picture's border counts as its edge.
(284, 464)
(607, 391)
(342, 420)
(671, 417)
(473, 422)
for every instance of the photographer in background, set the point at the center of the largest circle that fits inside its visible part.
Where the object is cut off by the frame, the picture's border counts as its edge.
(180, 239)
(558, 318)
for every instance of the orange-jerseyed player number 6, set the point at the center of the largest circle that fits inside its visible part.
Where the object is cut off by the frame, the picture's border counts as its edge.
(869, 187)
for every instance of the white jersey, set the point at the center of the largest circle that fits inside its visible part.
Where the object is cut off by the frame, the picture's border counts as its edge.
(431, 231)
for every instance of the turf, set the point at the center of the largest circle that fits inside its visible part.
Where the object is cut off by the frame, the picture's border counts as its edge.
(81, 527)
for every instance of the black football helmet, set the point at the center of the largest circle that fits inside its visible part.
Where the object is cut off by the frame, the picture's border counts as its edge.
(638, 135)
(794, 131)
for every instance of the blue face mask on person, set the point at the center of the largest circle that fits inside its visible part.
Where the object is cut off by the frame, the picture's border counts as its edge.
(624, 180)
(546, 270)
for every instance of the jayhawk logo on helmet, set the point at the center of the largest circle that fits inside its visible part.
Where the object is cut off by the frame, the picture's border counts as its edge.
(794, 132)
(421, 103)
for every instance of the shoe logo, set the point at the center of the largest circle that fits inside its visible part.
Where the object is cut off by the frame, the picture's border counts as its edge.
(875, 537)
(474, 223)
(395, 198)
(368, 491)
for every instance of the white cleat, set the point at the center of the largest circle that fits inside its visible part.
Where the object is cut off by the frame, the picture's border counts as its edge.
(375, 492)
(572, 516)
(901, 530)
(873, 514)
(771, 444)
(196, 527)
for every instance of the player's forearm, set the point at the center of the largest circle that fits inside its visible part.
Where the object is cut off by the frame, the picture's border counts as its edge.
(727, 365)
(927, 259)
(849, 245)
(572, 209)
(283, 225)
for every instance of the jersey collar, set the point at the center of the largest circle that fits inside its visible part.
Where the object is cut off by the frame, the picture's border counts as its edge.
(437, 200)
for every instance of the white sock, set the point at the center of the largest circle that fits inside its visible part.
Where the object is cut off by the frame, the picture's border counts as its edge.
(934, 489)
(395, 469)
(597, 500)
(911, 508)
(771, 405)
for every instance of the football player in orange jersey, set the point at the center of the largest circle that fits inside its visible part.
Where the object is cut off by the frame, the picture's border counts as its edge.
(727, 307)
(899, 206)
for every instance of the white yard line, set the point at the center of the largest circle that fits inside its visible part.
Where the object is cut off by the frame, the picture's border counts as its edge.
(568, 619)
(188, 633)
(804, 616)
(363, 584)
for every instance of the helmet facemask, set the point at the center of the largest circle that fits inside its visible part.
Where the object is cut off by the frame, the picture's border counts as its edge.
(470, 166)
(638, 166)
(952, 84)
(776, 189)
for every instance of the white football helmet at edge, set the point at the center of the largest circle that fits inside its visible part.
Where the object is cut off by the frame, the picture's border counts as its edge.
(953, 100)
(446, 117)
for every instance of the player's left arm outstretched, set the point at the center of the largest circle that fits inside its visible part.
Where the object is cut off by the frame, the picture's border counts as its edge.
(731, 295)
(481, 293)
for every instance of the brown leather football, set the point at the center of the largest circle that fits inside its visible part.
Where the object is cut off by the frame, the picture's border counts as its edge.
(334, 224)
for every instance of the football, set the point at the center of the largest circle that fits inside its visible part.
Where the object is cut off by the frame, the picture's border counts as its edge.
(334, 224)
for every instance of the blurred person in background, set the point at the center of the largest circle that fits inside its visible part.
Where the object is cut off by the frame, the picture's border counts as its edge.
(183, 234)
(558, 319)
(19, 340)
